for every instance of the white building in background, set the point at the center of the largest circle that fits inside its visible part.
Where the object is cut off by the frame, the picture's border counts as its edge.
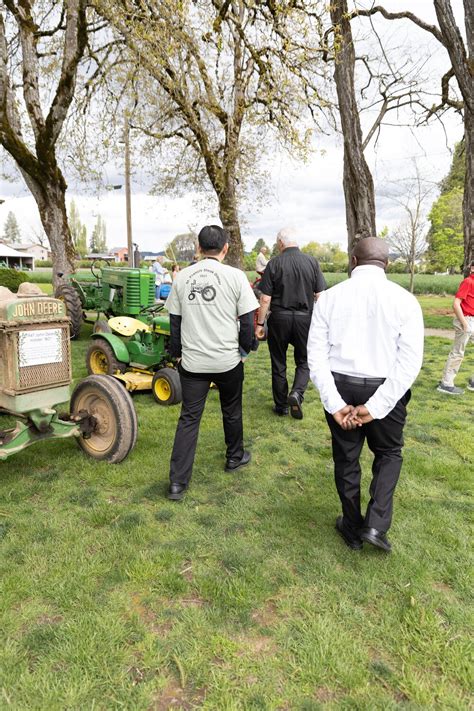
(14, 259)
(37, 250)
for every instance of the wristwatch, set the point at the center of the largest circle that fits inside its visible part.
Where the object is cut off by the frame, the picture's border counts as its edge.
(260, 324)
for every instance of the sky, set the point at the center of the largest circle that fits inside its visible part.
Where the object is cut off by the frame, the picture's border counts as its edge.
(307, 196)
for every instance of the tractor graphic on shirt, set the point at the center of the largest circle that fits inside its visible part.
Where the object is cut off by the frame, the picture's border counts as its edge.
(207, 291)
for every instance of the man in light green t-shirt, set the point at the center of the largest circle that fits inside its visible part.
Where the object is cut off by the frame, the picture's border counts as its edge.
(211, 309)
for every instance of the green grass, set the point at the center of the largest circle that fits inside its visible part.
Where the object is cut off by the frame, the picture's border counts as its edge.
(242, 596)
(424, 283)
(437, 311)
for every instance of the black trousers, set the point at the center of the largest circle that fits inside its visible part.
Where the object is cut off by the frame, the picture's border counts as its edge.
(284, 328)
(195, 387)
(385, 440)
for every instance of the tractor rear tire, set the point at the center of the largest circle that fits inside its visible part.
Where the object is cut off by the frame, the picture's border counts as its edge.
(166, 387)
(101, 326)
(101, 359)
(116, 426)
(72, 301)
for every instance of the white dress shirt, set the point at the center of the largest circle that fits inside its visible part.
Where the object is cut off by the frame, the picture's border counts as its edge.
(368, 327)
(261, 262)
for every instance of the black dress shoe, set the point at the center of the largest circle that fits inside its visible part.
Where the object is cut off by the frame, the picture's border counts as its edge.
(350, 539)
(232, 464)
(376, 538)
(295, 401)
(177, 491)
(281, 411)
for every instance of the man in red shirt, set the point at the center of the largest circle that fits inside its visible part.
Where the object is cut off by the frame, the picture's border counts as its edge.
(463, 322)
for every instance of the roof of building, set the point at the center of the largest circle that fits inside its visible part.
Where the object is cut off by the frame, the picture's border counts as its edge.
(6, 251)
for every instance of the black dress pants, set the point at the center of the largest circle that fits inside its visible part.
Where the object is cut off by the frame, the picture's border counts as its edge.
(284, 328)
(195, 387)
(385, 440)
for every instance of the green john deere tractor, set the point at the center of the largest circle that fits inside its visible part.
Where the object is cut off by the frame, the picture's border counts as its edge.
(113, 292)
(35, 377)
(135, 351)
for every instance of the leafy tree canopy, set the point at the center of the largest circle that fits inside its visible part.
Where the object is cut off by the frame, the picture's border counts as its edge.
(99, 237)
(183, 247)
(258, 245)
(457, 173)
(446, 234)
(78, 230)
(11, 230)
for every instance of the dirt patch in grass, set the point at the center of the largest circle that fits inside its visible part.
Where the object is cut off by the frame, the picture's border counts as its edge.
(256, 645)
(194, 601)
(267, 615)
(49, 620)
(173, 696)
(149, 618)
(446, 590)
(440, 332)
(325, 695)
(187, 571)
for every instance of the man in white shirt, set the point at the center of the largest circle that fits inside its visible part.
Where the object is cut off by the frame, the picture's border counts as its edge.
(365, 349)
(211, 309)
(261, 261)
(160, 272)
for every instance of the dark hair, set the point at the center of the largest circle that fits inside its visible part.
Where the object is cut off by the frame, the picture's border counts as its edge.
(212, 239)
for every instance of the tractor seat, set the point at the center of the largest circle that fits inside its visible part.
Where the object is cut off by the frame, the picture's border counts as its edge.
(127, 326)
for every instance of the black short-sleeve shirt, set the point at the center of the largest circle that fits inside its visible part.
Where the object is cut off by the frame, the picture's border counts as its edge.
(292, 279)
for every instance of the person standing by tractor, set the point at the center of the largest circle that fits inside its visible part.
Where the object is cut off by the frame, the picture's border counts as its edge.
(289, 286)
(159, 271)
(463, 322)
(211, 309)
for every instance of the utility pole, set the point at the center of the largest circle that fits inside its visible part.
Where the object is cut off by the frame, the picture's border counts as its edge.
(128, 196)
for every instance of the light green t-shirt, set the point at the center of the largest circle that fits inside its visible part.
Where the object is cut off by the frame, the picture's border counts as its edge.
(209, 297)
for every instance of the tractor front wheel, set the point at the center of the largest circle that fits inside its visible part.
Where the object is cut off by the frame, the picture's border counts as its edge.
(101, 359)
(115, 421)
(166, 387)
(67, 294)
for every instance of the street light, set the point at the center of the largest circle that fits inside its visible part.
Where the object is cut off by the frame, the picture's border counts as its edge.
(128, 195)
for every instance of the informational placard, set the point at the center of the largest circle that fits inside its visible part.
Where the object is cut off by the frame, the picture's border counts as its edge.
(39, 347)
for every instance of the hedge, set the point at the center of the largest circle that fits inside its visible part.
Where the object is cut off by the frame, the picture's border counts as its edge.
(11, 278)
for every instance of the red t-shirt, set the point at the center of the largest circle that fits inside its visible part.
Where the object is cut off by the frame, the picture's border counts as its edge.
(466, 294)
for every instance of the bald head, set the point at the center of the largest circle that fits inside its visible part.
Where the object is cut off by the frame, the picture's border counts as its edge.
(370, 250)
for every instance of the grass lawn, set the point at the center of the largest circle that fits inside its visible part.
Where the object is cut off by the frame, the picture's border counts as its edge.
(242, 596)
(437, 311)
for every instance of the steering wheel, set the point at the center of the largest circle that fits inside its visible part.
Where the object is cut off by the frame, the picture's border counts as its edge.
(96, 272)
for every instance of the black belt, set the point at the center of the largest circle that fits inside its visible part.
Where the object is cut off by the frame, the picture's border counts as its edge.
(354, 380)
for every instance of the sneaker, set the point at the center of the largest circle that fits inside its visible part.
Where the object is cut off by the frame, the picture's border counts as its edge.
(470, 385)
(449, 389)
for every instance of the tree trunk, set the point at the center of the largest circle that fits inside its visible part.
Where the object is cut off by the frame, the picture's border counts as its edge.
(357, 179)
(229, 215)
(462, 61)
(468, 200)
(50, 197)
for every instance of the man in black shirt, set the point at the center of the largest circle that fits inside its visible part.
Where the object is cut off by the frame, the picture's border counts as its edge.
(290, 284)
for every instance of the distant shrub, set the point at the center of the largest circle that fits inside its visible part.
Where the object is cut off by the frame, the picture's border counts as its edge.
(42, 263)
(397, 268)
(11, 278)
